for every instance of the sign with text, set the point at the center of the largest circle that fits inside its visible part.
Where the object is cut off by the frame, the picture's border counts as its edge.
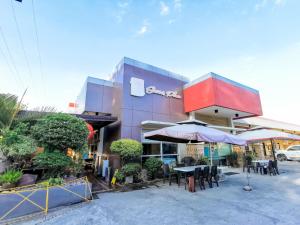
(138, 89)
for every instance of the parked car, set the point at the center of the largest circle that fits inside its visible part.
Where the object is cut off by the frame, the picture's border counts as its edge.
(291, 153)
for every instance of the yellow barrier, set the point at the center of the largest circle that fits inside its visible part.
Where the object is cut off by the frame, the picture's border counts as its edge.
(19, 191)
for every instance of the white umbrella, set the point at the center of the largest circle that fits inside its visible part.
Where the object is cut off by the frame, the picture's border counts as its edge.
(193, 133)
(266, 134)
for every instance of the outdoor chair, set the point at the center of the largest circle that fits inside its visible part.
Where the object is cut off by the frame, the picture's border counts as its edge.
(198, 174)
(247, 163)
(271, 169)
(204, 176)
(188, 161)
(275, 166)
(259, 168)
(169, 174)
(214, 177)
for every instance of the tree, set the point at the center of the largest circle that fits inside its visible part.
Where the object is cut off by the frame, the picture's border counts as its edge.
(61, 131)
(128, 149)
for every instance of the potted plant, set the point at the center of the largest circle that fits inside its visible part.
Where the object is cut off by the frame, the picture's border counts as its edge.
(153, 165)
(131, 172)
(10, 178)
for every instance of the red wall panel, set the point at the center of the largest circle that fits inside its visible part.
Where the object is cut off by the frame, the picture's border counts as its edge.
(199, 96)
(215, 92)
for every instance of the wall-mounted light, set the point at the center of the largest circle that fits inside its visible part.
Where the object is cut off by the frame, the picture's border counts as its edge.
(216, 110)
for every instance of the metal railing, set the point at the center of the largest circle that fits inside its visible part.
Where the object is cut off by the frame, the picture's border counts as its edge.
(26, 200)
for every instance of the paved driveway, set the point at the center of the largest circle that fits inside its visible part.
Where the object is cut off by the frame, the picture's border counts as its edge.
(274, 200)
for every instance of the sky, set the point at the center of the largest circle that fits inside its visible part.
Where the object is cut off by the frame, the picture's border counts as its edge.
(254, 42)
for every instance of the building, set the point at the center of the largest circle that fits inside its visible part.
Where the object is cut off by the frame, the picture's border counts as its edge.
(143, 97)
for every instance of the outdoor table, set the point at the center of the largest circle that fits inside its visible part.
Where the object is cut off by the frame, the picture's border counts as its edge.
(263, 162)
(185, 170)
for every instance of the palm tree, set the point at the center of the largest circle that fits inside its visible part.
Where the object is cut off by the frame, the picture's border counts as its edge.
(9, 107)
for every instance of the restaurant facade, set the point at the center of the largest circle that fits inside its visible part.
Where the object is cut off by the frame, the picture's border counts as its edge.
(143, 97)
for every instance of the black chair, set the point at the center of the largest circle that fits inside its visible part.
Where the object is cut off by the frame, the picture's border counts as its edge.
(214, 177)
(198, 174)
(204, 176)
(271, 169)
(168, 174)
(275, 166)
(188, 161)
(259, 168)
(247, 163)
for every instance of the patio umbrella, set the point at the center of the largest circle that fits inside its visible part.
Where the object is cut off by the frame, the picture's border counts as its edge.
(193, 133)
(266, 134)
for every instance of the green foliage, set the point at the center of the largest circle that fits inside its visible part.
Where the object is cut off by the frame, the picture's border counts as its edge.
(131, 169)
(120, 176)
(203, 160)
(233, 159)
(10, 177)
(8, 109)
(53, 181)
(152, 165)
(128, 149)
(60, 132)
(55, 163)
(17, 148)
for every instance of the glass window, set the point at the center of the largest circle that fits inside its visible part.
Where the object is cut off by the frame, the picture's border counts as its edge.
(168, 148)
(151, 149)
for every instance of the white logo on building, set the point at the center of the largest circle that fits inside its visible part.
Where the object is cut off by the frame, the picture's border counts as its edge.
(138, 89)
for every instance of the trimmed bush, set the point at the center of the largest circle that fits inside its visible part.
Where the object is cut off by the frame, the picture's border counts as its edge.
(128, 149)
(153, 165)
(55, 163)
(131, 169)
(61, 131)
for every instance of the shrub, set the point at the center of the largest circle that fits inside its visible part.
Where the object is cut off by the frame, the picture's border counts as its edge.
(17, 148)
(152, 165)
(128, 149)
(60, 132)
(203, 160)
(53, 181)
(233, 159)
(131, 169)
(55, 163)
(119, 176)
(10, 177)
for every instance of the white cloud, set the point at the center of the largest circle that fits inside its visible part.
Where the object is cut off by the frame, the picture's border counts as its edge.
(177, 5)
(260, 4)
(143, 29)
(123, 7)
(164, 9)
(264, 3)
(279, 2)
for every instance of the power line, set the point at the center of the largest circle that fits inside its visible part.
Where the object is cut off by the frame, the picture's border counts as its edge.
(38, 45)
(21, 40)
(9, 67)
(10, 55)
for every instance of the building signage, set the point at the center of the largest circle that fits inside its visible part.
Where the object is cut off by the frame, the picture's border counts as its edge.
(138, 89)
